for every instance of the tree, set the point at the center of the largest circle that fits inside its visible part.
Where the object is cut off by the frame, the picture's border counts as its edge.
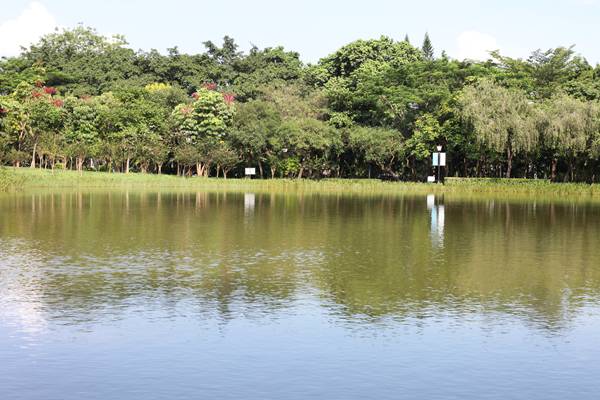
(203, 123)
(425, 137)
(81, 129)
(225, 158)
(33, 112)
(267, 67)
(568, 127)
(427, 48)
(254, 127)
(80, 61)
(314, 143)
(350, 57)
(544, 73)
(379, 146)
(503, 119)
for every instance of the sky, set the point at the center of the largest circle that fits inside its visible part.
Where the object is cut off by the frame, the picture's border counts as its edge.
(316, 28)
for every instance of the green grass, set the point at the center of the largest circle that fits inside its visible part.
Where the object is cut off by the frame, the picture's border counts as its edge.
(25, 179)
(19, 179)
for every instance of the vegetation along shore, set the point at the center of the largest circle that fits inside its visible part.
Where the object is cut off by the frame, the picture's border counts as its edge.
(25, 179)
(80, 101)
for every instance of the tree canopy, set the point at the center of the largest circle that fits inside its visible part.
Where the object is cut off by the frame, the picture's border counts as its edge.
(77, 99)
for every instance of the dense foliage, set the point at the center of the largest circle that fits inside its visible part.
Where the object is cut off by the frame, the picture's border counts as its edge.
(79, 100)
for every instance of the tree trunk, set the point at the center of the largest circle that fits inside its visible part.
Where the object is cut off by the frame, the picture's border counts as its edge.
(509, 160)
(33, 155)
(80, 161)
(127, 165)
(571, 170)
(260, 169)
(218, 170)
(273, 169)
(300, 172)
(159, 167)
(225, 171)
(553, 170)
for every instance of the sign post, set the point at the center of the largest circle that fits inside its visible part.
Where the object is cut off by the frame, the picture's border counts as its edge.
(439, 161)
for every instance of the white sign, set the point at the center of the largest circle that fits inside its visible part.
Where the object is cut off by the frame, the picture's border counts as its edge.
(431, 179)
(442, 159)
(439, 159)
(250, 171)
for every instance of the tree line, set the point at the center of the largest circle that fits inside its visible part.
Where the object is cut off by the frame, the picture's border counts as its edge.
(79, 100)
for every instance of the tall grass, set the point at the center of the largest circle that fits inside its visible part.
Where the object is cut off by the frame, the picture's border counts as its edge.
(12, 179)
(9, 180)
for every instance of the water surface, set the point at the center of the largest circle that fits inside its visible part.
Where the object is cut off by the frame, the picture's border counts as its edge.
(141, 295)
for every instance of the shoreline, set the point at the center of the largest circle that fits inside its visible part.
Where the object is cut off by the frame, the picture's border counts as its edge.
(25, 179)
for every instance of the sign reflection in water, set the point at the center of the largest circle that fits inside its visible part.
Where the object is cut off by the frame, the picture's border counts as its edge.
(438, 216)
(249, 203)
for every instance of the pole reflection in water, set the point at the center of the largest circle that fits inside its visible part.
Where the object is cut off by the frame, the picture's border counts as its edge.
(438, 217)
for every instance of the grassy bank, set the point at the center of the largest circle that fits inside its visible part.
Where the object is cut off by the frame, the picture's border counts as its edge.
(12, 179)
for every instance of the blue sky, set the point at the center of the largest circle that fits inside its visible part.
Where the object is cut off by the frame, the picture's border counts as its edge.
(315, 28)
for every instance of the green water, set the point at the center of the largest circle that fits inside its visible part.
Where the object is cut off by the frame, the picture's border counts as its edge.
(145, 295)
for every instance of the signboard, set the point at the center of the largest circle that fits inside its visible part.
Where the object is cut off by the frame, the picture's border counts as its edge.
(431, 179)
(250, 171)
(439, 159)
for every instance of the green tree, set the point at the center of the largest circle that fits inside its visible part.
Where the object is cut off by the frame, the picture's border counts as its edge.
(427, 48)
(81, 61)
(225, 158)
(350, 57)
(254, 128)
(379, 146)
(314, 142)
(568, 127)
(503, 119)
(81, 129)
(203, 123)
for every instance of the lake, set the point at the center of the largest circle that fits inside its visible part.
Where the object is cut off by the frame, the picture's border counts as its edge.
(179, 295)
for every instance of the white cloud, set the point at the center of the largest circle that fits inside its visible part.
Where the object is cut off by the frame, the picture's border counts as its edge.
(34, 22)
(475, 45)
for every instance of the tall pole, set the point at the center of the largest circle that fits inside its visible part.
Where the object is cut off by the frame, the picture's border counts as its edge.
(439, 163)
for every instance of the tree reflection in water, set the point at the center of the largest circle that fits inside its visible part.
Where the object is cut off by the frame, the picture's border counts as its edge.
(80, 257)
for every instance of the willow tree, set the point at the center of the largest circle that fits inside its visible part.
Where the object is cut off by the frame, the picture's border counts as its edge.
(569, 126)
(503, 119)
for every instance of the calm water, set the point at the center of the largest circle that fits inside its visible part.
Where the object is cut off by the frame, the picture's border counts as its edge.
(110, 295)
